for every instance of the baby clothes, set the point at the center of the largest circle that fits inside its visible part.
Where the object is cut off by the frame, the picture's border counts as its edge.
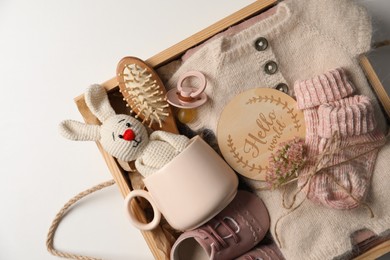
(328, 111)
(291, 43)
(303, 38)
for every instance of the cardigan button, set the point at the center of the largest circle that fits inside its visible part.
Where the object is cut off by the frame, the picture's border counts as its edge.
(271, 67)
(282, 87)
(261, 44)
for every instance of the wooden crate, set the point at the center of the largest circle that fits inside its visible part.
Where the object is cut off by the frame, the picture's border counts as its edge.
(159, 240)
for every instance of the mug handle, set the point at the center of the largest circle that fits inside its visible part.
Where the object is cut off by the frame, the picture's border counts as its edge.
(133, 219)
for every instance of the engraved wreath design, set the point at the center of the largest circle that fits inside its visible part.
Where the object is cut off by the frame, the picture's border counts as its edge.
(277, 102)
(240, 159)
(257, 99)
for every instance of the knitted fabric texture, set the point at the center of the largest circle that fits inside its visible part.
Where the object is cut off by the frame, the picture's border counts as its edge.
(151, 153)
(97, 101)
(90, 133)
(123, 136)
(305, 38)
(343, 186)
(298, 42)
(116, 126)
(161, 149)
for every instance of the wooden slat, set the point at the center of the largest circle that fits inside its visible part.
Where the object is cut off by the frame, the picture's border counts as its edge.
(375, 252)
(158, 243)
(376, 84)
(178, 49)
(173, 52)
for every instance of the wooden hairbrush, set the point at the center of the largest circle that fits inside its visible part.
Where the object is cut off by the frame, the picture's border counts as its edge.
(145, 94)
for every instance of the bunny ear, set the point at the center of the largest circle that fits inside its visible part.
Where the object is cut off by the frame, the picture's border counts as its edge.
(97, 101)
(78, 131)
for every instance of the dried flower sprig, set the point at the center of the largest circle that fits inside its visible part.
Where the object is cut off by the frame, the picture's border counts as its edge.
(285, 163)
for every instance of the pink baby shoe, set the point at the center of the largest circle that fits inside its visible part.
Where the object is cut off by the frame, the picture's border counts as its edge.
(263, 252)
(235, 230)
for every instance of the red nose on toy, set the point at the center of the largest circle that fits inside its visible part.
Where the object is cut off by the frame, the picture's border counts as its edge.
(129, 135)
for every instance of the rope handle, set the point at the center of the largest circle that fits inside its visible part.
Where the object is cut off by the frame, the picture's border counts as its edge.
(59, 217)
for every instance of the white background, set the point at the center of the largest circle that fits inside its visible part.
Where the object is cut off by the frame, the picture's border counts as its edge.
(50, 51)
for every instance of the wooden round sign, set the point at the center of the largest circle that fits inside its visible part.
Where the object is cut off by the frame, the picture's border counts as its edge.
(252, 126)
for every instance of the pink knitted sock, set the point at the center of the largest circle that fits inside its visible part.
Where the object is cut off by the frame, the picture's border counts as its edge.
(344, 186)
(326, 111)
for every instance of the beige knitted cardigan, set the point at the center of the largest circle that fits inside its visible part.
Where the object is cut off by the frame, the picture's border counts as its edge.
(306, 38)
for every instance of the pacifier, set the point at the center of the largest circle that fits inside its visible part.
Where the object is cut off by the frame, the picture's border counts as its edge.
(188, 98)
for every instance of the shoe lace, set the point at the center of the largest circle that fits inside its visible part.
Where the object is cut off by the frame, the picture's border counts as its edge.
(217, 240)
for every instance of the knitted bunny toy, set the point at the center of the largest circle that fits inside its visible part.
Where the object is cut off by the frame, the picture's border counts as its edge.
(123, 136)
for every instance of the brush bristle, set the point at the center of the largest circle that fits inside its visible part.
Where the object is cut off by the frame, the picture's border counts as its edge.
(144, 95)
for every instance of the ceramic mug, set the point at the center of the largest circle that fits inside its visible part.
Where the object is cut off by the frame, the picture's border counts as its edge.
(188, 191)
